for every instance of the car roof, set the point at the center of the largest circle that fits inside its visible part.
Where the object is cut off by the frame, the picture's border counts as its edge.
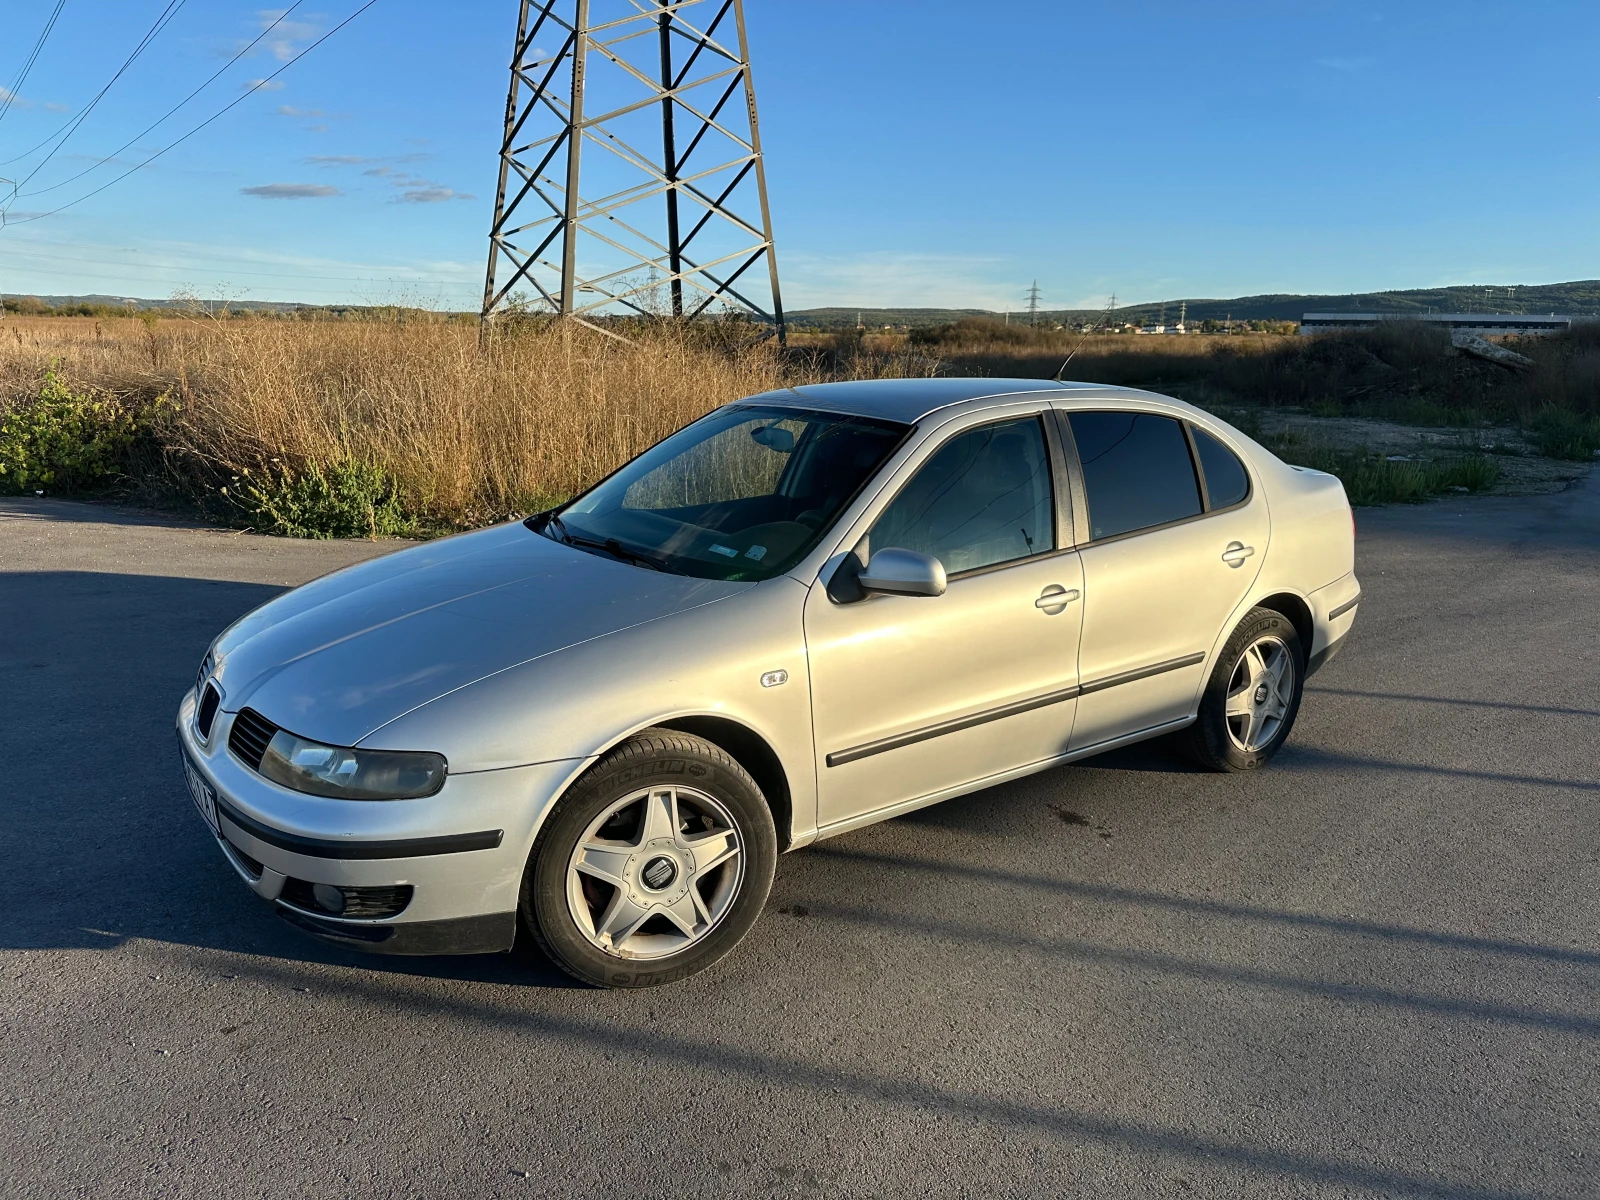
(909, 400)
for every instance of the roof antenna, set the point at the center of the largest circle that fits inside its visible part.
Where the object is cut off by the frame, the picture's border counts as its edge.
(1105, 319)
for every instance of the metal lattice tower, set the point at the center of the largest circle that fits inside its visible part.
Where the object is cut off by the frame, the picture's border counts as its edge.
(656, 204)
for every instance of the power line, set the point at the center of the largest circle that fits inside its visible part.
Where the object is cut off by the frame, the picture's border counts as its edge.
(10, 97)
(283, 16)
(71, 127)
(259, 84)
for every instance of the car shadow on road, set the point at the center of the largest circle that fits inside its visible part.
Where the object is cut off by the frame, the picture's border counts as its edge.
(101, 843)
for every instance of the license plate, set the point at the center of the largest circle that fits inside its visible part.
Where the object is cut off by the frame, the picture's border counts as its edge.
(205, 799)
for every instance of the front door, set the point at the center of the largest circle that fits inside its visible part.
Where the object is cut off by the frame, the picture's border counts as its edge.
(1172, 554)
(916, 695)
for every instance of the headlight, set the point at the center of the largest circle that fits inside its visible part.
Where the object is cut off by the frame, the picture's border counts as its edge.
(351, 774)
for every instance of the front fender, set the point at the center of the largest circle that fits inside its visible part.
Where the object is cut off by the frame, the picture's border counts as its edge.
(578, 703)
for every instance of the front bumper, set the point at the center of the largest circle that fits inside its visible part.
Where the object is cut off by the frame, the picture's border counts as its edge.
(460, 852)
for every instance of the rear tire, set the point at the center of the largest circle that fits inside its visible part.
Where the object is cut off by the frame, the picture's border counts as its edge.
(653, 866)
(1253, 696)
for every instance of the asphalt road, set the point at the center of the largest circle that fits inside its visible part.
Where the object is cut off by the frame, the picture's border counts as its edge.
(1372, 969)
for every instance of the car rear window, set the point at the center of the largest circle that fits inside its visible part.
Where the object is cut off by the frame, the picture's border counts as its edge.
(1137, 471)
(1226, 481)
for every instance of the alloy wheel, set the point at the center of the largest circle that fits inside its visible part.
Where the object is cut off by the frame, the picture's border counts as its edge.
(655, 872)
(1260, 691)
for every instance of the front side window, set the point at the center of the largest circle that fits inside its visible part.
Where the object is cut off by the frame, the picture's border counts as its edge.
(742, 494)
(1136, 471)
(984, 497)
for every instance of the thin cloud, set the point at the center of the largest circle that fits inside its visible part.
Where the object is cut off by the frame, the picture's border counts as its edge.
(291, 191)
(289, 110)
(264, 85)
(284, 40)
(889, 280)
(413, 189)
(7, 96)
(1347, 65)
(433, 195)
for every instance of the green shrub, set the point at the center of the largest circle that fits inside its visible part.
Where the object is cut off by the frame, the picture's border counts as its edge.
(61, 440)
(1562, 433)
(337, 500)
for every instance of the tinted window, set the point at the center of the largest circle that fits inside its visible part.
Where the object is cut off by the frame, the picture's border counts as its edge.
(1136, 470)
(741, 494)
(983, 498)
(1226, 482)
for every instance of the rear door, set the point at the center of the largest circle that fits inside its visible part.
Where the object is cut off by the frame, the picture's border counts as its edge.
(1166, 564)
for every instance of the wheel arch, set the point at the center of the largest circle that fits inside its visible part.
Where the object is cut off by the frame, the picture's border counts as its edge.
(1299, 613)
(752, 752)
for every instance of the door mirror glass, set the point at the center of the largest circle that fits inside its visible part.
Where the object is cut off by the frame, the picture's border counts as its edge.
(982, 498)
(901, 572)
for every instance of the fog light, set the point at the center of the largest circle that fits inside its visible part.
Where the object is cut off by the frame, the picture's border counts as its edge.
(328, 897)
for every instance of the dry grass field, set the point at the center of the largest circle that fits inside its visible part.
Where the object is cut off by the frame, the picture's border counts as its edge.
(405, 425)
(463, 436)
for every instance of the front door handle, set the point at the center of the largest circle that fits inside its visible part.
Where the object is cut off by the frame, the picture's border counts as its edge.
(1236, 553)
(1055, 598)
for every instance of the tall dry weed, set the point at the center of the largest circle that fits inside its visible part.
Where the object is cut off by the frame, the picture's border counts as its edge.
(468, 434)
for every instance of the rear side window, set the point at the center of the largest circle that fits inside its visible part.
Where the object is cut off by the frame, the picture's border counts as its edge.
(1136, 471)
(984, 497)
(1226, 481)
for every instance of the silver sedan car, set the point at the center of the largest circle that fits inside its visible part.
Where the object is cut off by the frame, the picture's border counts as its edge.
(808, 611)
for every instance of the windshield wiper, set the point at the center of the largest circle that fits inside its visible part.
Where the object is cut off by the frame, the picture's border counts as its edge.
(556, 529)
(614, 548)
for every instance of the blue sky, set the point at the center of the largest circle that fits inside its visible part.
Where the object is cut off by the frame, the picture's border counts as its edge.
(926, 153)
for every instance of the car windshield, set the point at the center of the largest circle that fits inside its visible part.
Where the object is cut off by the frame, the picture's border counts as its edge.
(742, 494)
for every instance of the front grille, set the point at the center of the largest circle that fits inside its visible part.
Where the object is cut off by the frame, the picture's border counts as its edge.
(251, 733)
(359, 902)
(206, 715)
(205, 671)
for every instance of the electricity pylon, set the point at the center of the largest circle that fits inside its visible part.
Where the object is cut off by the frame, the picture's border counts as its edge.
(631, 175)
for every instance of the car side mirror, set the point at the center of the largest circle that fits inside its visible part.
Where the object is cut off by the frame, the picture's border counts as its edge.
(899, 572)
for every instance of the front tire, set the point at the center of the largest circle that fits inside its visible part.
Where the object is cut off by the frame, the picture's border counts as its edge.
(653, 866)
(1253, 696)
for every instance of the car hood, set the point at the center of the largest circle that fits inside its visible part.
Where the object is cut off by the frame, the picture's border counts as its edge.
(348, 653)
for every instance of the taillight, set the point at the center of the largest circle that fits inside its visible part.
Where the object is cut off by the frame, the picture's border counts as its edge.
(1352, 524)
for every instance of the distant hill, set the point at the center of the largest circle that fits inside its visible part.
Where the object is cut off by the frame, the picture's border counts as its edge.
(98, 301)
(1580, 299)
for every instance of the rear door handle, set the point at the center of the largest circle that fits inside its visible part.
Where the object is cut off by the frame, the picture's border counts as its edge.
(1236, 553)
(1055, 598)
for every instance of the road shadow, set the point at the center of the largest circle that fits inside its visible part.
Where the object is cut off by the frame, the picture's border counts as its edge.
(100, 840)
(49, 510)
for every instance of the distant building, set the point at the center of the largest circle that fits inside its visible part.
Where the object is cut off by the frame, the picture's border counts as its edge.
(1482, 324)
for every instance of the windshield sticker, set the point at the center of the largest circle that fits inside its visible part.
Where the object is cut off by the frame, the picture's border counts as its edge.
(728, 550)
(756, 552)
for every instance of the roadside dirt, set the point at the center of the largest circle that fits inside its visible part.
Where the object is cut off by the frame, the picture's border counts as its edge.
(1523, 471)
